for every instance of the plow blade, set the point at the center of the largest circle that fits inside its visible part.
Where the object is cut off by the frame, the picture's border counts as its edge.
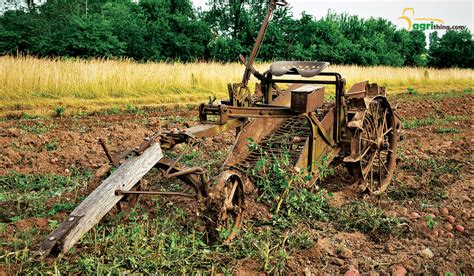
(99, 202)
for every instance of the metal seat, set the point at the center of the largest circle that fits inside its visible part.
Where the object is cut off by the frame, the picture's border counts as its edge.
(305, 69)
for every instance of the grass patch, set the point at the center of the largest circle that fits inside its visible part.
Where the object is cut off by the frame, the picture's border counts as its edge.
(366, 218)
(432, 120)
(430, 175)
(444, 130)
(36, 127)
(431, 170)
(25, 195)
(49, 146)
(169, 244)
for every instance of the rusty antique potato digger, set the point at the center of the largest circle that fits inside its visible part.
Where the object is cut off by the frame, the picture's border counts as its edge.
(286, 112)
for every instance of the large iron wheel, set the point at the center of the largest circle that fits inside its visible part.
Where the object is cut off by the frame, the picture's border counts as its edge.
(226, 207)
(377, 147)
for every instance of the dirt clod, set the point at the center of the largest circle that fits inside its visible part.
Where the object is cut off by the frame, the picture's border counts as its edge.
(352, 271)
(414, 215)
(448, 226)
(399, 270)
(460, 228)
(444, 211)
(427, 253)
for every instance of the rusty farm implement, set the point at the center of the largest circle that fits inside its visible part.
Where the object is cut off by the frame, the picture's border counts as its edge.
(286, 112)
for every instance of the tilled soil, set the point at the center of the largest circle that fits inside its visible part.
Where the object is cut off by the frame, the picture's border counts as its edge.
(54, 146)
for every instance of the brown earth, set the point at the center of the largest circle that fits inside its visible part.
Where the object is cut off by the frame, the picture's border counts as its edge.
(334, 252)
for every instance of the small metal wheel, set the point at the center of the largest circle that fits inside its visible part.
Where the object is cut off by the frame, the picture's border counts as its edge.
(226, 207)
(377, 147)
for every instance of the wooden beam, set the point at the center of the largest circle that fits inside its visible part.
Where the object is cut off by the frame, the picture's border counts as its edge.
(100, 201)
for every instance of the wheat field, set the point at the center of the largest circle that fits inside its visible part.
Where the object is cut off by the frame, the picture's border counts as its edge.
(38, 85)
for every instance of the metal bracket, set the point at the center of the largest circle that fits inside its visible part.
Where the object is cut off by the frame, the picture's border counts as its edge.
(54, 240)
(321, 129)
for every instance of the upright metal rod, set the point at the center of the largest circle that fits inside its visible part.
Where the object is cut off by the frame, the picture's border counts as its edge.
(258, 42)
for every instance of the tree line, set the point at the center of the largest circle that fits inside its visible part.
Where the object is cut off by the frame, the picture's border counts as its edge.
(174, 30)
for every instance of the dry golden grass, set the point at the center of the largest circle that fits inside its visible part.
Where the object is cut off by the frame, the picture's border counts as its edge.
(32, 84)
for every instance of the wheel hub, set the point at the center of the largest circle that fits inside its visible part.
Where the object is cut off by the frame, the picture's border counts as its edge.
(379, 143)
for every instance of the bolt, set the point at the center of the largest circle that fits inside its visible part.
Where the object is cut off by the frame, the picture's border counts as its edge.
(70, 218)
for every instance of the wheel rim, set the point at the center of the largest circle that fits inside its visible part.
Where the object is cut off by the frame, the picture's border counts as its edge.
(226, 207)
(377, 146)
(231, 213)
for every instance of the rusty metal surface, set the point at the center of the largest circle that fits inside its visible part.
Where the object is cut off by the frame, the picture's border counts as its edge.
(52, 244)
(226, 205)
(153, 193)
(106, 151)
(307, 98)
(358, 90)
(288, 139)
(373, 146)
(283, 118)
(210, 130)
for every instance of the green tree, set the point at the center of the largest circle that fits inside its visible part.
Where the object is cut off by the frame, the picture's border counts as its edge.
(453, 49)
(129, 25)
(89, 37)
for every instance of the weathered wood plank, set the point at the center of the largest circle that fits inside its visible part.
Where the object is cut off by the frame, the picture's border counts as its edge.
(102, 199)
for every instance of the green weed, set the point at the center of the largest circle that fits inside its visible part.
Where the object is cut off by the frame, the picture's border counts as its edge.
(430, 171)
(431, 222)
(432, 120)
(131, 109)
(36, 127)
(59, 111)
(50, 146)
(444, 130)
(412, 91)
(177, 119)
(282, 188)
(27, 195)
(366, 218)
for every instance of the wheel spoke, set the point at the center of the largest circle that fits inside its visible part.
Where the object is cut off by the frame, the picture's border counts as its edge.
(369, 166)
(234, 187)
(365, 152)
(372, 177)
(390, 129)
(380, 168)
(368, 140)
(384, 121)
(385, 167)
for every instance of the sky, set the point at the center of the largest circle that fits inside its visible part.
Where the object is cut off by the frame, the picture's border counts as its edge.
(452, 12)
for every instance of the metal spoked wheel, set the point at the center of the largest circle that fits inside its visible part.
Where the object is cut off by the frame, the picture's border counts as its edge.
(226, 207)
(377, 145)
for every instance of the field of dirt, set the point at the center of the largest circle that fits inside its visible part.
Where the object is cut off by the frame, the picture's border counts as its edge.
(433, 185)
